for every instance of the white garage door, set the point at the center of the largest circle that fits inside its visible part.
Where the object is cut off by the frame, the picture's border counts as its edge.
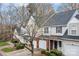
(35, 44)
(42, 44)
(71, 50)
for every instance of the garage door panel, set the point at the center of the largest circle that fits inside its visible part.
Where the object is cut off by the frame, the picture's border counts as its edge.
(42, 44)
(71, 50)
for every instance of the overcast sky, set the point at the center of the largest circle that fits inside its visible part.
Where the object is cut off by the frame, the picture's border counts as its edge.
(4, 6)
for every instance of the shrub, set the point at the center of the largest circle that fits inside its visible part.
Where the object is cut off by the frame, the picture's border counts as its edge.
(55, 51)
(47, 53)
(20, 46)
(50, 54)
(14, 41)
(43, 51)
(47, 49)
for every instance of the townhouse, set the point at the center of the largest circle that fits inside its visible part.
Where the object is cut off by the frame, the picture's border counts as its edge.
(61, 32)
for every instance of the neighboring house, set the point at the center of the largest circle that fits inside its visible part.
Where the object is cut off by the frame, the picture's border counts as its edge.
(6, 31)
(22, 33)
(61, 32)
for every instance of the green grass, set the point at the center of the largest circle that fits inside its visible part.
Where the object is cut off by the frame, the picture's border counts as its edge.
(8, 49)
(3, 43)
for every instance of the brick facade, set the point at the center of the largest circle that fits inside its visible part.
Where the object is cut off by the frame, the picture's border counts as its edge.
(47, 43)
(37, 40)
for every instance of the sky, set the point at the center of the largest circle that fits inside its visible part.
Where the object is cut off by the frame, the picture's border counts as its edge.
(5, 6)
(55, 5)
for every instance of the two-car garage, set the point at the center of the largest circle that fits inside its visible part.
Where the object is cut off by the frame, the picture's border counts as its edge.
(70, 49)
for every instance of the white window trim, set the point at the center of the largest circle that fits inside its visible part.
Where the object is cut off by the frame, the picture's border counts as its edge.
(44, 30)
(61, 29)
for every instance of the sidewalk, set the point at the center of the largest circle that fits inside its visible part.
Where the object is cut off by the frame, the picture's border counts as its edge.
(22, 52)
(10, 45)
(1, 52)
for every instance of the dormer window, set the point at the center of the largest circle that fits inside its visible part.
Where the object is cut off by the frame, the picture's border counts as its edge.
(59, 29)
(72, 29)
(73, 32)
(77, 16)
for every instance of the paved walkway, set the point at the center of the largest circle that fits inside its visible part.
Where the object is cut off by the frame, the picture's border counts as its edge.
(1, 47)
(22, 52)
(10, 45)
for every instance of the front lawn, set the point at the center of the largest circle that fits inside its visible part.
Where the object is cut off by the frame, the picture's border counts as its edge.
(9, 49)
(3, 43)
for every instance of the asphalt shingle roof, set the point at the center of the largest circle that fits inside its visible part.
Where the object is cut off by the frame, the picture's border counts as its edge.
(61, 18)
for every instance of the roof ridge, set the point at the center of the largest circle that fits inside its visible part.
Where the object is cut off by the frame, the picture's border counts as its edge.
(66, 11)
(60, 18)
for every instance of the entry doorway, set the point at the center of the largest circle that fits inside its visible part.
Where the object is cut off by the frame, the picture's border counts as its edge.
(55, 44)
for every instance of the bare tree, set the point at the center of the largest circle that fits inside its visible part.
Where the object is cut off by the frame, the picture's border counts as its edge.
(67, 6)
(41, 14)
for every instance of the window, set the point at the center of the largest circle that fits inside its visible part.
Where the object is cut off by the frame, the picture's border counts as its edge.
(73, 31)
(46, 30)
(59, 29)
(77, 16)
(60, 44)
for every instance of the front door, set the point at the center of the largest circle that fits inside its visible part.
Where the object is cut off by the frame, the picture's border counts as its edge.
(55, 44)
(51, 44)
(42, 44)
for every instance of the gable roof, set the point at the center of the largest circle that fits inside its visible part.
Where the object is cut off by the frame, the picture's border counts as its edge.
(69, 36)
(77, 16)
(61, 18)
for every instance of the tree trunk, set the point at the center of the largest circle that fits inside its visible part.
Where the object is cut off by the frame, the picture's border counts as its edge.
(32, 51)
